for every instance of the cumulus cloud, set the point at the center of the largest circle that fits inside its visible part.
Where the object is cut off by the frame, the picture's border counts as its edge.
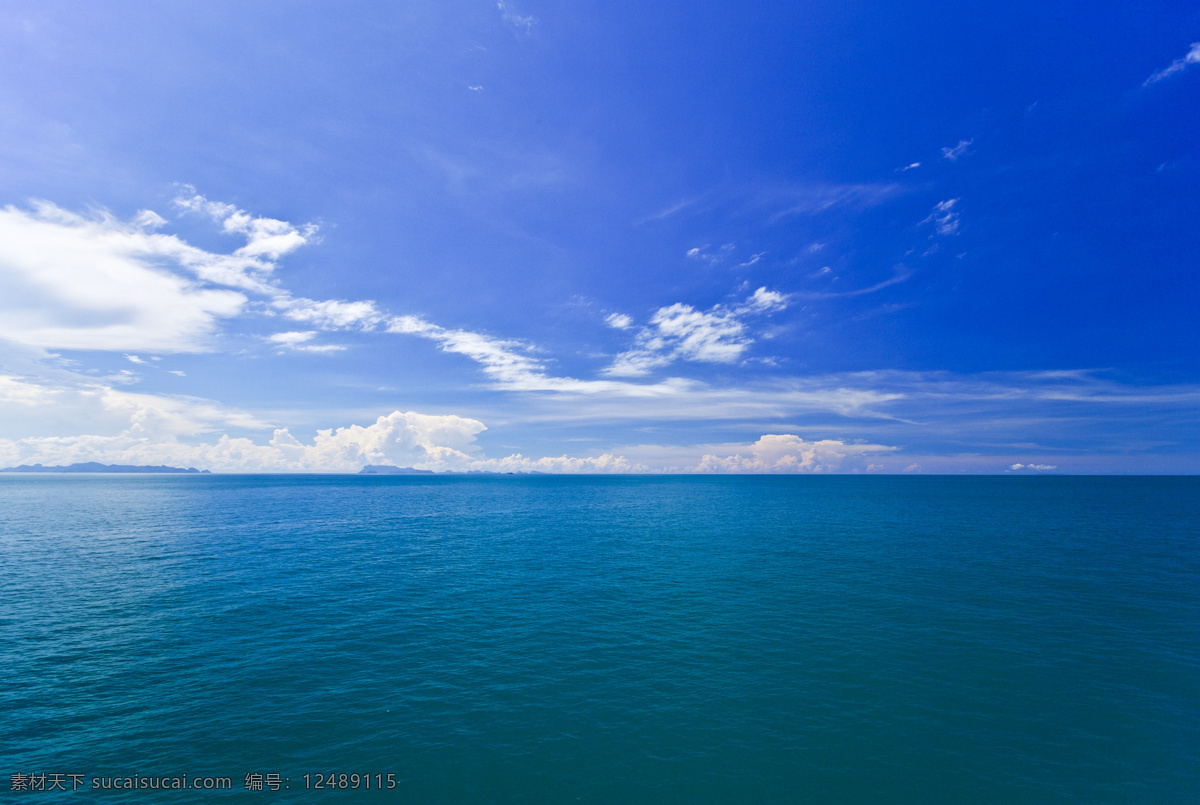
(1177, 66)
(764, 301)
(953, 152)
(400, 438)
(568, 465)
(681, 332)
(148, 429)
(618, 321)
(944, 217)
(1037, 467)
(789, 453)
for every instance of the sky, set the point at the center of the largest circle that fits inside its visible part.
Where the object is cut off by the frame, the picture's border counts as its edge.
(871, 237)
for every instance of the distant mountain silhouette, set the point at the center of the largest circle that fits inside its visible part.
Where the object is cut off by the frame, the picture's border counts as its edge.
(388, 469)
(92, 466)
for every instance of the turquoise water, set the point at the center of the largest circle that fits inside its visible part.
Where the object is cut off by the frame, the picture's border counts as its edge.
(605, 640)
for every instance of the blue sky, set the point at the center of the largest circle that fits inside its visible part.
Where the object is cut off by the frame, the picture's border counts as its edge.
(601, 237)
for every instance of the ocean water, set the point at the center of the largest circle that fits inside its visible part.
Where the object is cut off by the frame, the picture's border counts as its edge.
(602, 640)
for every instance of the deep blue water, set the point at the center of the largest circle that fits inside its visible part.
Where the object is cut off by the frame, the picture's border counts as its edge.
(606, 640)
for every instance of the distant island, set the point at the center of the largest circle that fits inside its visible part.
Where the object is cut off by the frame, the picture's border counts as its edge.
(92, 466)
(388, 469)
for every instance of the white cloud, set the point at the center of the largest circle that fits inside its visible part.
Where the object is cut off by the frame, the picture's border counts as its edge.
(97, 283)
(299, 341)
(909, 167)
(754, 258)
(331, 314)
(506, 363)
(899, 274)
(681, 332)
(952, 153)
(944, 217)
(618, 321)
(70, 282)
(525, 23)
(764, 301)
(1177, 66)
(816, 199)
(125, 377)
(503, 360)
(68, 403)
(606, 463)
(1038, 467)
(713, 257)
(401, 438)
(136, 359)
(788, 453)
(265, 237)
(129, 428)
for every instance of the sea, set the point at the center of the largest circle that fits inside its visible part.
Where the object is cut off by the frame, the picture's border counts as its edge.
(635, 639)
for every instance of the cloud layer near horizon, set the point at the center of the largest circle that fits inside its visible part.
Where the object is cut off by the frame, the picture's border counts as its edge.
(156, 436)
(98, 284)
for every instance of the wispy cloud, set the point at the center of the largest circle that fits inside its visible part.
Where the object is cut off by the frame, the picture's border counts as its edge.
(667, 212)
(302, 342)
(1177, 66)
(899, 274)
(907, 168)
(944, 217)
(708, 255)
(815, 199)
(754, 258)
(618, 321)
(510, 366)
(522, 22)
(953, 152)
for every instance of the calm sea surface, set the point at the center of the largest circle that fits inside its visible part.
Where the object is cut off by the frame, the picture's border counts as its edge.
(604, 640)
